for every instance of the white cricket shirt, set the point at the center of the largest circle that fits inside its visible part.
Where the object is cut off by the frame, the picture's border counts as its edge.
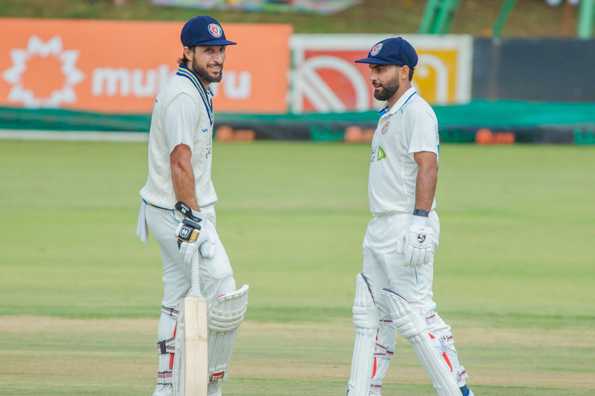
(182, 114)
(409, 126)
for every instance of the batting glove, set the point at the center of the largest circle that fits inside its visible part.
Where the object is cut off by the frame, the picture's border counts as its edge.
(193, 233)
(419, 243)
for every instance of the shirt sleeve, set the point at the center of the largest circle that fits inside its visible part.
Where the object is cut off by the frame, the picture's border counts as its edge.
(423, 133)
(180, 122)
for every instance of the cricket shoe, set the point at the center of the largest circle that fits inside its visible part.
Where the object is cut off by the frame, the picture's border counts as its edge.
(163, 390)
(214, 389)
(465, 391)
(375, 390)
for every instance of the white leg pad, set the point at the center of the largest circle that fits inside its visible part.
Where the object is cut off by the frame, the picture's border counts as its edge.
(365, 321)
(413, 327)
(226, 313)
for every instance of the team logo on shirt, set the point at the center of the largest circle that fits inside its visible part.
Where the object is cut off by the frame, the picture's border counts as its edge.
(378, 154)
(215, 30)
(376, 49)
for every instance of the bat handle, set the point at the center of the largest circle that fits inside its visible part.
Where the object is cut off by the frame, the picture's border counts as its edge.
(195, 276)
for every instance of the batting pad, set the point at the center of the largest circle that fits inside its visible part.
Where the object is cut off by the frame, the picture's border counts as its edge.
(413, 327)
(365, 321)
(226, 313)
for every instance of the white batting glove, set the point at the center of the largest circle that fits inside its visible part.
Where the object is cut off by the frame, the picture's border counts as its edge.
(198, 240)
(419, 243)
(206, 247)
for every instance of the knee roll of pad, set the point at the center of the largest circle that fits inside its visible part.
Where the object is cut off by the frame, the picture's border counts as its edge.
(365, 313)
(226, 312)
(410, 325)
(407, 322)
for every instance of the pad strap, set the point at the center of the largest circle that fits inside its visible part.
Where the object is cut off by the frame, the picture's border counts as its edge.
(167, 345)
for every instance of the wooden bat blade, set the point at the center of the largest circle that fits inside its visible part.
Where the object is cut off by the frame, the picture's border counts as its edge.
(196, 347)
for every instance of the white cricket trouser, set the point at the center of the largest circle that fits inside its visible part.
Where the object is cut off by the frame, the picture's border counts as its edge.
(216, 278)
(386, 267)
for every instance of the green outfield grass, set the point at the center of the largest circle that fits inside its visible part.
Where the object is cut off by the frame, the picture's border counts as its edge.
(80, 295)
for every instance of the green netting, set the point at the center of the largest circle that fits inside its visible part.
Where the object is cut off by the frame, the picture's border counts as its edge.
(489, 114)
(515, 114)
(69, 120)
(584, 137)
(477, 114)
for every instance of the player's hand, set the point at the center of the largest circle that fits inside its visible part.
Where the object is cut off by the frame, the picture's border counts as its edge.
(193, 234)
(419, 243)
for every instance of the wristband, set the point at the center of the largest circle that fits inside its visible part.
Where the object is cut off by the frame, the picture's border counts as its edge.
(421, 213)
(184, 209)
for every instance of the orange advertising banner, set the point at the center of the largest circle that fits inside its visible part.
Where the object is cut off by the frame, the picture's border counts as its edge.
(111, 66)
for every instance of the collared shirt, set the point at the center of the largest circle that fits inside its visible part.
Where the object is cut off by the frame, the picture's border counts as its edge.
(206, 94)
(408, 127)
(182, 114)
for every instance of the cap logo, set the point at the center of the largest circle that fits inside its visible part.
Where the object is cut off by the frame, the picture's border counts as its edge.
(376, 49)
(215, 30)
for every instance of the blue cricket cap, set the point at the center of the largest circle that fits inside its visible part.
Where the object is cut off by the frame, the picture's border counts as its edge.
(204, 31)
(391, 51)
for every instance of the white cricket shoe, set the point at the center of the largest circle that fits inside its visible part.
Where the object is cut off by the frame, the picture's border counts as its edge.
(163, 390)
(376, 391)
(214, 389)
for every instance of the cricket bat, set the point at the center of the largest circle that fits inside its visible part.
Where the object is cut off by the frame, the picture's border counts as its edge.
(196, 370)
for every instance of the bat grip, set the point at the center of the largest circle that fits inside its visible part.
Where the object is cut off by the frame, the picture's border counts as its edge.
(195, 276)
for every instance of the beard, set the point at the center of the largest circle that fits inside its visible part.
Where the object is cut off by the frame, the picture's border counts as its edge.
(204, 74)
(385, 92)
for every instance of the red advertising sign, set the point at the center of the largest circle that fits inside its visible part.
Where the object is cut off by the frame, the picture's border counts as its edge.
(326, 78)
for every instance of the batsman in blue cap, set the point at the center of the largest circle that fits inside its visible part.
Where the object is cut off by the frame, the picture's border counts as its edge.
(178, 208)
(394, 290)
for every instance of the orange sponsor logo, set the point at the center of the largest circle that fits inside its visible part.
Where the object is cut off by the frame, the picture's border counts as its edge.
(120, 66)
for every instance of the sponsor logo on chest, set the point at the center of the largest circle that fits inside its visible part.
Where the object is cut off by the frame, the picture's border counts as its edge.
(378, 153)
